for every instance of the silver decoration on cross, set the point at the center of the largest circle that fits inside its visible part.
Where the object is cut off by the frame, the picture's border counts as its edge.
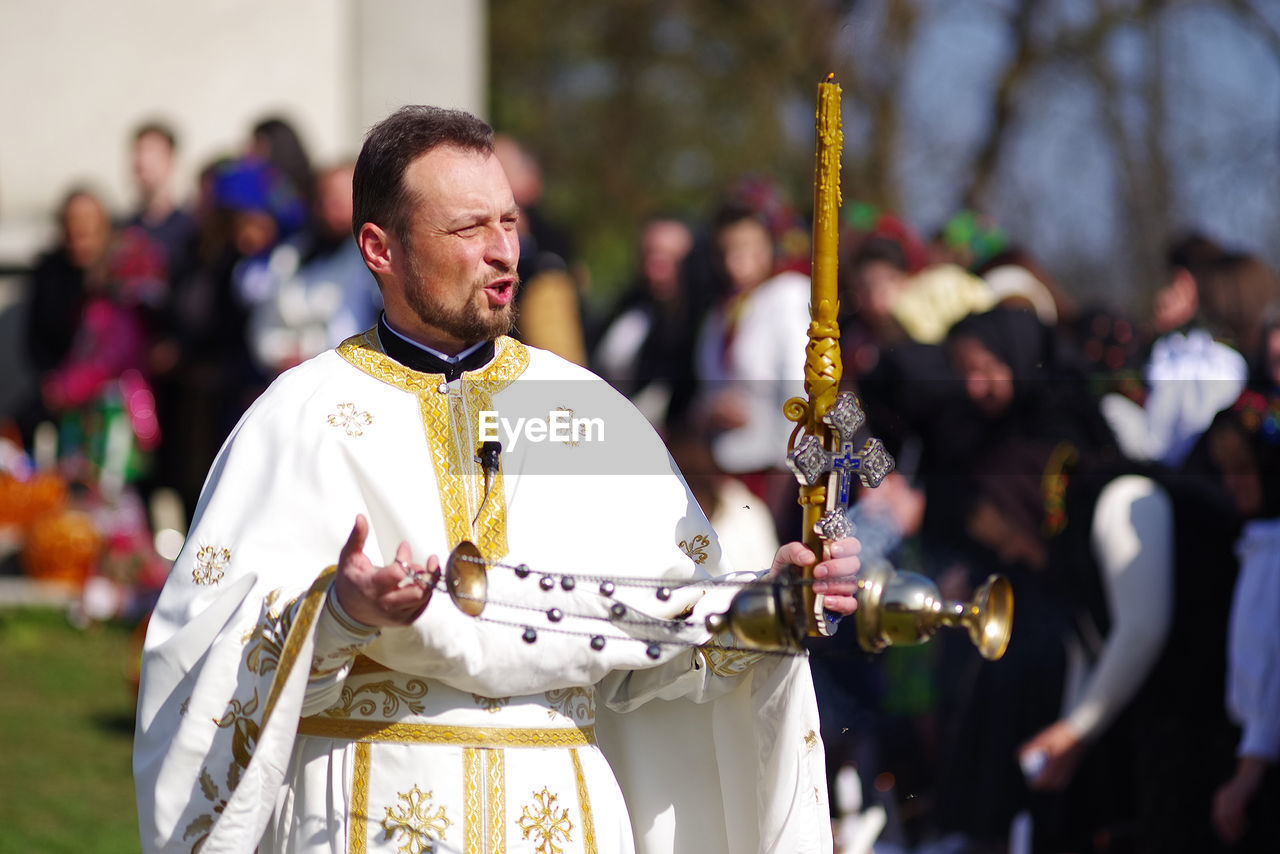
(810, 461)
(834, 525)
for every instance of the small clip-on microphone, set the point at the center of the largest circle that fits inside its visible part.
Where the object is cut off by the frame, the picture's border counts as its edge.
(488, 457)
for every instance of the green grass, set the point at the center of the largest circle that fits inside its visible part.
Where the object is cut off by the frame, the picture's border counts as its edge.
(66, 732)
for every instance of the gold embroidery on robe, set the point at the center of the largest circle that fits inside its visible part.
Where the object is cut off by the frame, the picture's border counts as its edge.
(202, 825)
(358, 826)
(492, 705)
(574, 439)
(696, 548)
(576, 703)
(584, 806)
(392, 694)
(459, 478)
(727, 661)
(545, 823)
(211, 565)
(351, 421)
(472, 800)
(355, 729)
(496, 773)
(414, 822)
(282, 635)
(270, 634)
(244, 728)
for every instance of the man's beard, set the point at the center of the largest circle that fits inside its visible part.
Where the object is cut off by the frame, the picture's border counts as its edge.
(472, 322)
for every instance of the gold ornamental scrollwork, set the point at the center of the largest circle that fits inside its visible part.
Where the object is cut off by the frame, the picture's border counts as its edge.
(391, 693)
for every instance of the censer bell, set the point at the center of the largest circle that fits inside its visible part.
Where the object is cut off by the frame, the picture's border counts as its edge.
(763, 615)
(466, 580)
(894, 609)
(905, 608)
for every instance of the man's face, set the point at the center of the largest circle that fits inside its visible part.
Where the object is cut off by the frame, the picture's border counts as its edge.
(663, 248)
(152, 161)
(458, 271)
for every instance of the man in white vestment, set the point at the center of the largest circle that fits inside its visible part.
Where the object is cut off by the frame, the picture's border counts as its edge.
(304, 691)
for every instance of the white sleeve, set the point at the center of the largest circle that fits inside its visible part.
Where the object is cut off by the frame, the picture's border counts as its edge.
(1132, 540)
(1253, 652)
(339, 638)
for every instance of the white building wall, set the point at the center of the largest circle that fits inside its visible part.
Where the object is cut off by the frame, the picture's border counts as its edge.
(80, 74)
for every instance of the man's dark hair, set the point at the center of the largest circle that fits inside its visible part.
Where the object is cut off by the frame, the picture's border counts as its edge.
(379, 194)
(158, 128)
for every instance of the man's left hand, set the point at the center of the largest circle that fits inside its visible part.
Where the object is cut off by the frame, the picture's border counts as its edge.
(833, 577)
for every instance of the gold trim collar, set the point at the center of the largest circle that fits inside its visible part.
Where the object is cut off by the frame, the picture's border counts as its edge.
(365, 352)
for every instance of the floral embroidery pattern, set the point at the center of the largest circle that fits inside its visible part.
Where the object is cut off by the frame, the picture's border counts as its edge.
(414, 824)
(576, 703)
(727, 661)
(202, 825)
(696, 548)
(392, 694)
(269, 637)
(211, 565)
(491, 704)
(351, 422)
(548, 825)
(811, 740)
(244, 730)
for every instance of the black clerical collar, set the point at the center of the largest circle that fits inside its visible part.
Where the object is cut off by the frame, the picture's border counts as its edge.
(427, 361)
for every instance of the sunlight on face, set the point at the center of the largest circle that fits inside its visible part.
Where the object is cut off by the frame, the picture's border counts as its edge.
(459, 269)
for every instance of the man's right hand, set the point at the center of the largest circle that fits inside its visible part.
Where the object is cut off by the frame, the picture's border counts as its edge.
(373, 595)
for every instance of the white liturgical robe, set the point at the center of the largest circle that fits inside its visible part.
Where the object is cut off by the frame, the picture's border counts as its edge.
(569, 716)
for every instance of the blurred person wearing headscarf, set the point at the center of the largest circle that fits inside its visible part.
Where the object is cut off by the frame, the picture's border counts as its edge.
(1140, 565)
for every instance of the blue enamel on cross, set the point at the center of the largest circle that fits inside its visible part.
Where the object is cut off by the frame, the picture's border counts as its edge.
(810, 460)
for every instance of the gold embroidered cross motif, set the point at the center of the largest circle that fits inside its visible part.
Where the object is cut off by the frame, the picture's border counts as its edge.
(415, 824)
(549, 825)
(567, 421)
(811, 740)
(211, 564)
(352, 422)
(696, 548)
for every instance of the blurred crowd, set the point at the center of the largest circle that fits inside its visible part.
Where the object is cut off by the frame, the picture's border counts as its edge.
(1117, 466)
